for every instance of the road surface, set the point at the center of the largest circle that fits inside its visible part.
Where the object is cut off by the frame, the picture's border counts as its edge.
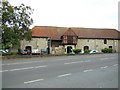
(79, 71)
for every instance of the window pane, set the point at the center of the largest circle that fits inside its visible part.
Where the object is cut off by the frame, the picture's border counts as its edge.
(70, 40)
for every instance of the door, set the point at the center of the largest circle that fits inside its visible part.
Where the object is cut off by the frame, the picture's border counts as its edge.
(29, 49)
(69, 49)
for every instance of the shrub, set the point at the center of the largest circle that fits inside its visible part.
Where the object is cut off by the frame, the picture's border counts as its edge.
(87, 51)
(76, 51)
(107, 50)
(110, 50)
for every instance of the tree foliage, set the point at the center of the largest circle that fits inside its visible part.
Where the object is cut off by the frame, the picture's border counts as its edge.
(15, 24)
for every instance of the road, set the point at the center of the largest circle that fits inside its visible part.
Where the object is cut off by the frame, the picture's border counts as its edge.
(80, 71)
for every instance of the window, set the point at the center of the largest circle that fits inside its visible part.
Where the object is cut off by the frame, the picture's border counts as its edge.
(105, 41)
(94, 51)
(70, 40)
(88, 40)
(110, 47)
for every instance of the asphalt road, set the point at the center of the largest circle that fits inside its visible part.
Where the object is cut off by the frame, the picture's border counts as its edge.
(82, 71)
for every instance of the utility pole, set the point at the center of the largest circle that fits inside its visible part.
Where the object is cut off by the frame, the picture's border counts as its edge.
(49, 45)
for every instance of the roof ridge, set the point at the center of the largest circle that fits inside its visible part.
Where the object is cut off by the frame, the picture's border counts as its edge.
(78, 27)
(51, 26)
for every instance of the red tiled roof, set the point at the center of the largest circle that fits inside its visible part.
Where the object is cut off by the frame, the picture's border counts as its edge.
(69, 32)
(55, 33)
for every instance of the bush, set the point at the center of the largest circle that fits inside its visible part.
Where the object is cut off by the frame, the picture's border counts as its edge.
(76, 51)
(110, 50)
(107, 50)
(87, 51)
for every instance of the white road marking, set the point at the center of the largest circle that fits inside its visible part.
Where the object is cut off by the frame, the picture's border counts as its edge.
(23, 68)
(21, 63)
(33, 81)
(104, 58)
(88, 70)
(88, 61)
(78, 62)
(40, 66)
(103, 67)
(64, 75)
(74, 62)
(115, 65)
(4, 71)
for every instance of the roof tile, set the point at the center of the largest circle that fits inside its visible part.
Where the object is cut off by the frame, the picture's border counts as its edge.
(55, 33)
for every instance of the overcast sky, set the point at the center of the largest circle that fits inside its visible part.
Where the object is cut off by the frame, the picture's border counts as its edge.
(73, 13)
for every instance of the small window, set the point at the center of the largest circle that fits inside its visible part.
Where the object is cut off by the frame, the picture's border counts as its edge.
(88, 40)
(105, 41)
(110, 47)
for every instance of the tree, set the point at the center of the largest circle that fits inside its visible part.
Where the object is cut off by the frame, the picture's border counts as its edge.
(15, 24)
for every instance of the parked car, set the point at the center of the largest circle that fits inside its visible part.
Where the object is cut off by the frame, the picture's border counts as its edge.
(35, 52)
(82, 51)
(3, 51)
(93, 51)
(71, 53)
(23, 52)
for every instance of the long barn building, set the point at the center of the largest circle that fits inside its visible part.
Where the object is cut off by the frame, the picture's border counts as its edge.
(61, 40)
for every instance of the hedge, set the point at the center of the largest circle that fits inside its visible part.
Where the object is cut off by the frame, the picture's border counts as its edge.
(107, 50)
(76, 51)
(87, 51)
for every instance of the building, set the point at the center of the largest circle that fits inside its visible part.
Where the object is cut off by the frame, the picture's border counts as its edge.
(61, 40)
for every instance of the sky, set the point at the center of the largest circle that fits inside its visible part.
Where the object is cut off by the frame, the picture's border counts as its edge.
(73, 13)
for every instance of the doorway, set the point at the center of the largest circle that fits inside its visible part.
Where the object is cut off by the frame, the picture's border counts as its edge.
(69, 49)
(86, 48)
(29, 49)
